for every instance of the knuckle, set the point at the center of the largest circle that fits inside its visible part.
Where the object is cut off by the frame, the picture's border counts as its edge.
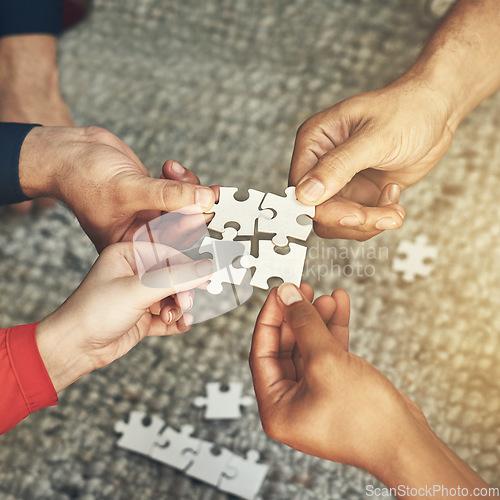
(97, 134)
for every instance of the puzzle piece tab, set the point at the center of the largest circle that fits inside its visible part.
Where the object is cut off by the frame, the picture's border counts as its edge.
(223, 404)
(210, 467)
(245, 212)
(284, 224)
(417, 260)
(136, 436)
(224, 252)
(176, 449)
(270, 264)
(249, 476)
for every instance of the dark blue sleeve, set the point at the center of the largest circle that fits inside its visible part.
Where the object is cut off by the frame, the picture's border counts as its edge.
(12, 136)
(19, 17)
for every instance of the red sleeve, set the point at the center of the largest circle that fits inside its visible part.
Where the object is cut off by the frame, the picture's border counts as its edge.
(24, 381)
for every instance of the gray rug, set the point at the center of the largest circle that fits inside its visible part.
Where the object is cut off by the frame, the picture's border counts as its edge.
(222, 87)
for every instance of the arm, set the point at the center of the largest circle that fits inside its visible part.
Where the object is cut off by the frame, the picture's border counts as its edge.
(104, 318)
(353, 159)
(315, 396)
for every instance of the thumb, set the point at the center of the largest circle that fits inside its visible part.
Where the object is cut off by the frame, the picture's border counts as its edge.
(155, 285)
(147, 193)
(308, 327)
(334, 170)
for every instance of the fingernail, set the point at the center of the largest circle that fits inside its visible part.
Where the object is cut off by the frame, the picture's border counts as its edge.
(204, 267)
(386, 223)
(289, 294)
(186, 302)
(310, 190)
(401, 214)
(204, 197)
(394, 193)
(177, 168)
(170, 317)
(350, 221)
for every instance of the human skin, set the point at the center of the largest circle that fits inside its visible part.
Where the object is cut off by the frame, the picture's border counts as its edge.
(110, 312)
(29, 89)
(103, 181)
(353, 159)
(317, 397)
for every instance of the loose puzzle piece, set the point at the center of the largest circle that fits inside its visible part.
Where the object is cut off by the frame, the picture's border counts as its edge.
(136, 436)
(176, 448)
(249, 476)
(208, 466)
(270, 264)
(243, 212)
(223, 404)
(417, 260)
(224, 252)
(284, 224)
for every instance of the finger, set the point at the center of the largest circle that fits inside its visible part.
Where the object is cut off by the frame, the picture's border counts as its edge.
(334, 170)
(339, 322)
(264, 354)
(170, 314)
(337, 213)
(325, 305)
(185, 299)
(310, 145)
(155, 285)
(146, 193)
(158, 328)
(390, 195)
(173, 170)
(310, 331)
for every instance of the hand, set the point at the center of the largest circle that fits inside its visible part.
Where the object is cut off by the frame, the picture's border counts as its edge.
(102, 181)
(353, 159)
(110, 313)
(316, 396)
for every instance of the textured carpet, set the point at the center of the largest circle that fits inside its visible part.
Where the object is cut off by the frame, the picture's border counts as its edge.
(222, 86)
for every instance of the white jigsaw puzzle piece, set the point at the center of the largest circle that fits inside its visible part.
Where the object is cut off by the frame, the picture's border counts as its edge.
(249, 476)
(176, 448)
(223, 404)
(270, 264)
(284, 224)
(245, 212)
(209, 467)
(416, 254)
(224, 252)
(135, 436)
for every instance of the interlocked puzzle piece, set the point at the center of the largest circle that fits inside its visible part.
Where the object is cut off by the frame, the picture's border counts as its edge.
(270, 264)
(417, 260)
(136, 436)
(249, 476)
(210, 467)
(223, 404)
(284, 224)
(224, 252)
(244, 212)
(176, 448)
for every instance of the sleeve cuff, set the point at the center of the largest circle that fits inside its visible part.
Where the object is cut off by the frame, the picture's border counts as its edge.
(22, 17)
(28, 367)
(12, 136)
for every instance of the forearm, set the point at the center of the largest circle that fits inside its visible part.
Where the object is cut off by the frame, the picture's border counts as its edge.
(422, 462)
(461, 61)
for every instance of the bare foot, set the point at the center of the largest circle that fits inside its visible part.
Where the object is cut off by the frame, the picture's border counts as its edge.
(29, 89)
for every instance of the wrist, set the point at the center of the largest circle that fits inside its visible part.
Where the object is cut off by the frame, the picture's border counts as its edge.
(37, 165)
(57, 343)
